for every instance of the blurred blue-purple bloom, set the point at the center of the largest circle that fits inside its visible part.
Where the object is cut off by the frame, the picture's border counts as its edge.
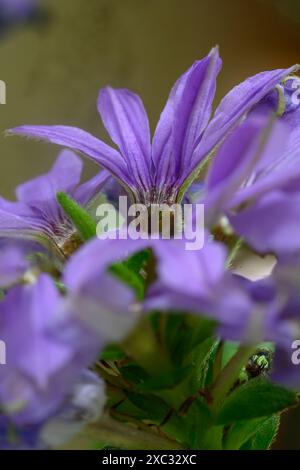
(37, 215)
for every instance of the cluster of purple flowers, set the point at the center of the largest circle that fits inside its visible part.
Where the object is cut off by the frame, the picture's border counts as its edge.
(61, 304)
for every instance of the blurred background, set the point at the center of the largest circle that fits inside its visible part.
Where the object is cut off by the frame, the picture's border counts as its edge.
(55, 59)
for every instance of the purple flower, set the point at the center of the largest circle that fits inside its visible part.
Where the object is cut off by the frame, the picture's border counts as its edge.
(185, 279)
(255, 175)
(17, 8)
(184, 136)
(12, 265)
(37, 216)
(16, 438)
(84, 405)
(97, 301)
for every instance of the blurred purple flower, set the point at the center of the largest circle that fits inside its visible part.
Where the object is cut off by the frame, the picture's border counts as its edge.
(255, 175)
(40, 368)
(184, 279)
(17, 8)
(37, 215)
(161, 172)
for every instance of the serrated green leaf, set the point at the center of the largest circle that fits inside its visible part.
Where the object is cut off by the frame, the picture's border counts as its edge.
(255, 399)
(265, 436)
(81, 219)
(241, 431)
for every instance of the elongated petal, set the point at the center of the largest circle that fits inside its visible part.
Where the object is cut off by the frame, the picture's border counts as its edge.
(10, 221)
(184, 118)
(86, 191)
(126, 121)
(77, 139)
(236, 104)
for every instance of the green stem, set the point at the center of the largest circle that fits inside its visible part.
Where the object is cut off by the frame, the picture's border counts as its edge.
(113, 433)
(229, 375)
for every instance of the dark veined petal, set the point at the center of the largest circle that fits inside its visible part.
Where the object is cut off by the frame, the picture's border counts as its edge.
(235, 105)
(184, 119)
(126, 121)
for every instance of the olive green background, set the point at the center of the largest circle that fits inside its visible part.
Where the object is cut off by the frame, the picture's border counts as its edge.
(53, 70)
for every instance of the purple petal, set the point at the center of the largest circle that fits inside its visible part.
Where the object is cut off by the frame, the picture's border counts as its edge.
(82, 265)
(12, 265)
(86, 191)
(236, 103)
(184, 119)
(126, 121)
(284, 371)
(41, 192)
(41, 368)
(77, 139)
(203, 268)
(278, 230)
(232, 165)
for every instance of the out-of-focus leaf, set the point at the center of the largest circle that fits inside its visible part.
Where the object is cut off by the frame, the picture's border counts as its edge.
(155, 408)
(134, 374)
(112, 353)
(167, 380)
(129, 277)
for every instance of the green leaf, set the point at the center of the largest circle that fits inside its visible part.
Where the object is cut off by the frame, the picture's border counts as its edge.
(255, 399)
(138, 261)
(112, 353)
(229, 350)
(82, 220)
(193, 331)
(212, 439)
(242, 431)
(155, 408)
(201, 359)
(196, 428)
(265, 436)
(133, 280)
(165, 381)
(134, 374)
